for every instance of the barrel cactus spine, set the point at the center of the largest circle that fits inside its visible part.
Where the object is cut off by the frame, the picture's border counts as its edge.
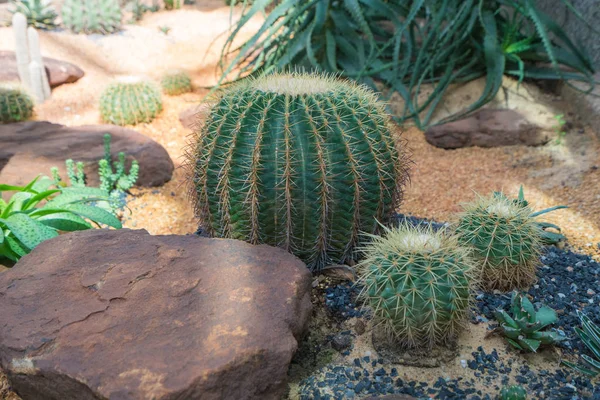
(419, 283)
(505, 238)
(514, 392)
(15, 104)
(129, 101)
(304, 162)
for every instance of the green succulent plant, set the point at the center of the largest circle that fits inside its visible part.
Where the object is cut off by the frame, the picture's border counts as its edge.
(301, 161)
(92, 16)
(114, 182)
(130, 101)
(419, 283)
(36, 213)
(514, 392)
(175, 83)
(15, 104)
(39, 13)
(505, 238)
(590, 336)
(523, 330)
(548, 237)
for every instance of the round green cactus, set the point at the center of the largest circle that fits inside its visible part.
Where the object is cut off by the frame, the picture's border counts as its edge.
(505, 238)
(175, 83)
(419, 284)
(130, 101)
(305, 162)
(514, 392)
(15, 104)
(92, 16)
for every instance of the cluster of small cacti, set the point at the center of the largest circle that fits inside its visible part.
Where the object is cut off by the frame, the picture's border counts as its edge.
(304, 162)
(92, 16)
(15, 104)
(130, 101)
(419, 284)
(39, 13)
(175, 83)
(505, 238)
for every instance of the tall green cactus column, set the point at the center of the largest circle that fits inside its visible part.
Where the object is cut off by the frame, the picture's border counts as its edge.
(304, 162)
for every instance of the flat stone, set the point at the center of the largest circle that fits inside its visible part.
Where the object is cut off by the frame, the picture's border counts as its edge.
(586, 106)
(191, 117)
(59, 72)
(126, 315)
(32, 148)
(487, 128)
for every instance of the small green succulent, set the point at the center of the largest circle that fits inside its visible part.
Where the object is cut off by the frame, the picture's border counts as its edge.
(173, 4)
(176, 82)
(548, 237)
(130, 101)
(524, 329)
(37, 212)
(590, 336)
(39, 13)
(513, 392)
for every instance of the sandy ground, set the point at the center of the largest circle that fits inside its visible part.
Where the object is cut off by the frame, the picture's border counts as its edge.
(566, 174)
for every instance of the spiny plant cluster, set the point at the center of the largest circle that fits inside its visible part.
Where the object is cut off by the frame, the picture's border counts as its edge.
(176, 82)
(92, 16)
(130, 101)
(15, 104)
(304, 162)
(173, 4)
(514, 392)
(419, 284)
(39, 13)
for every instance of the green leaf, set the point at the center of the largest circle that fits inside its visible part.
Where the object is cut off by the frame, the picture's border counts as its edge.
(580, 369)
(547, 210)
(95, 214)
(530, 344)
(65, 221)
(514, 344)
(546, 316)
(16, 247)
(27, 230)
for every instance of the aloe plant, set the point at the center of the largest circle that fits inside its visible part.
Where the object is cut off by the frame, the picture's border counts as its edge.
(524, 329)
(590, 336)
(37, 212)
(406, 44)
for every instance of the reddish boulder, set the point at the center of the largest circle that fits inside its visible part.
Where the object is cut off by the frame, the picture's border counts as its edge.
(190, 117)
(32, 148)
(59, 72)
(487, 128)
(125, 315)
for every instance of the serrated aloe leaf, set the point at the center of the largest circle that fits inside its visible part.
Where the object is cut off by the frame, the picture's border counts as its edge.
(95, 214)
(511, 333)
(547, 337)
(29, 231)
(514, 344)
(65, 221)
(503, 317)
(530, 344)
(546, 316)
(16, 247)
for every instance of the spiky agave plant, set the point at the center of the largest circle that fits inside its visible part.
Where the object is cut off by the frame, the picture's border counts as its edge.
(130, 100)
(176, 82)
(305, 162)
(419, 283)
(92, 16)
(15, 104)
(506, 240)
(39, 13)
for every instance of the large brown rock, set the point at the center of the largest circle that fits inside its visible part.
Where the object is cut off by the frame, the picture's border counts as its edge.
(32, 148)
(59, 72)
(487, 128)
(125, 315)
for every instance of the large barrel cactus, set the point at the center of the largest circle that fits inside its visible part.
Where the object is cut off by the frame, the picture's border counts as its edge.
(305, 162)
(419, 284)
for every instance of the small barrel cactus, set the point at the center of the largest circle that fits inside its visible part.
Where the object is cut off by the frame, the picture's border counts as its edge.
(177, 82)
(173, 4)
(130, 101)
(15, 104)
(305, 162)
(505, 238)
(419, 283)
(514, 392)
(92, 16)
